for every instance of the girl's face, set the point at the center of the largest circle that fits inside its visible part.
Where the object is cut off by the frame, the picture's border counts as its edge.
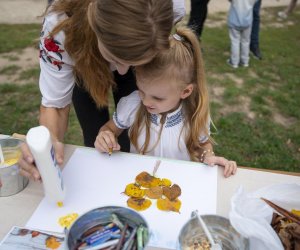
(162, 95)
(120, 65)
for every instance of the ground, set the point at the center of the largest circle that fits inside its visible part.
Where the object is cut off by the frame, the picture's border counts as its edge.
(29, 11)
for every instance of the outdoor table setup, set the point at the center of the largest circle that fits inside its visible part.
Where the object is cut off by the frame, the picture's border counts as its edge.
(95, 180)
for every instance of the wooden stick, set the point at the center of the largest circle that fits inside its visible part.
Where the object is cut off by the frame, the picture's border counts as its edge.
(123, 236)
(293, 217)
(157, 163)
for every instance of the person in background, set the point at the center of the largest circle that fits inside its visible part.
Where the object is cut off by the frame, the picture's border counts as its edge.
(169, 114)
(240, 20)
(254, 42)
(87, 48)
(288, 10)
(198, 16)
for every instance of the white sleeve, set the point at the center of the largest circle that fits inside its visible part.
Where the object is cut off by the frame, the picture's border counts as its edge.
(178, 9)
(126, 110)
(56, 78)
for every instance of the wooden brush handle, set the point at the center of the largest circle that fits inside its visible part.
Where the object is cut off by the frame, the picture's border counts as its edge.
(293, 217)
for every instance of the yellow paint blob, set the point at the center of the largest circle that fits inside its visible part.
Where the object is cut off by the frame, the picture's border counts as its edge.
(66, 221)
(11, 161)
(52, 243)
(296, 212)
(60, 204)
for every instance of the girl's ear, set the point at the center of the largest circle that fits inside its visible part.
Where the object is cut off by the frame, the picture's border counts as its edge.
(187, 91)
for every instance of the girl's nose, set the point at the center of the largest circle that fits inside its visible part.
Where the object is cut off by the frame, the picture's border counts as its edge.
(146, 101)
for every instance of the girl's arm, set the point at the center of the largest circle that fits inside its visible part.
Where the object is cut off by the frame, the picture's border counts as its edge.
(208, 157)
(107, 137)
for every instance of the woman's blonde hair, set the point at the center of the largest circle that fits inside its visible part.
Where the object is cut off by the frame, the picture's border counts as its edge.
(130, 30)
(183, 63)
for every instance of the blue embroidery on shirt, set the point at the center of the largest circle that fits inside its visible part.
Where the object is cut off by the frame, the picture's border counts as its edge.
(172, 121)
(154, 119)
(118, 123)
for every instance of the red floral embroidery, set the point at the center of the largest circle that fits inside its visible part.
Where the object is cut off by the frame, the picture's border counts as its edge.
(51, 45)
(56, 62)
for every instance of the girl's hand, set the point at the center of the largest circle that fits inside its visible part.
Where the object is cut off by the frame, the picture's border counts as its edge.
(230, 167)
(106, 140)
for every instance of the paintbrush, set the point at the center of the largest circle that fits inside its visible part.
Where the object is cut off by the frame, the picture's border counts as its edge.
(156, 166)
(110, 150)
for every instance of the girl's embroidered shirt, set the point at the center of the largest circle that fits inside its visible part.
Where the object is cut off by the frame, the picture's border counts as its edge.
(172, 140)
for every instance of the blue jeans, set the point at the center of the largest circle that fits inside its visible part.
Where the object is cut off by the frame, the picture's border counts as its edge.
(254, 44)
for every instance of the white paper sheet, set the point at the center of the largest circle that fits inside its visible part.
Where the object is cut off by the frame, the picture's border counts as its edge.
(95, 180)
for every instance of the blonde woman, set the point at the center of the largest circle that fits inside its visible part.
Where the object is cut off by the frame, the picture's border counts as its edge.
(87, 48)
(169, 115)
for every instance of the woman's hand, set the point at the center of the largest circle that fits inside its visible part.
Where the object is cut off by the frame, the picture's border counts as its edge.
(105, 141)
(27, 165)
(230, 167)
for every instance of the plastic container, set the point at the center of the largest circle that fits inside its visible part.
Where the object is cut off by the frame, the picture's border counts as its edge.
(10, 181)
(39, 142)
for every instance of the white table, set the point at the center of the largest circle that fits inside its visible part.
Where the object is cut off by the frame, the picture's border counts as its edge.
(17, 209)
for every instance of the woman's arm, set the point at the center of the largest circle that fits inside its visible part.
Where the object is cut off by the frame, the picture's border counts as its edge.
(56, 120)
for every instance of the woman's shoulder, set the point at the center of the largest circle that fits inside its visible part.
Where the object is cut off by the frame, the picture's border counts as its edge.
(52, 18)
(52, 46)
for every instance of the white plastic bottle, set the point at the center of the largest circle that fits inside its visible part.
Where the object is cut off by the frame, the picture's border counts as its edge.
(40, 145)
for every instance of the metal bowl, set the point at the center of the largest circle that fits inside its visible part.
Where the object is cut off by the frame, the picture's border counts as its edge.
(10, 181)
(220, 228)
(102, 215)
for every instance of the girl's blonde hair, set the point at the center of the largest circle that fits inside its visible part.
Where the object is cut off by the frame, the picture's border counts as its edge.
(182, 63)
(130, 30)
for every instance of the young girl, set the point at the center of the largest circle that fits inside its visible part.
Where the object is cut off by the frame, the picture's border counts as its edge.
(169, 115)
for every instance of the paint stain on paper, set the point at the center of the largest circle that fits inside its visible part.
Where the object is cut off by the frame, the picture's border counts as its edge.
(66, 221)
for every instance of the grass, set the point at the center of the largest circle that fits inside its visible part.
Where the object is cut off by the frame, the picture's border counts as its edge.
(19, 109)
(256, 112)
(273, 88)
(9, 70)
(18, 36)
(32, 73)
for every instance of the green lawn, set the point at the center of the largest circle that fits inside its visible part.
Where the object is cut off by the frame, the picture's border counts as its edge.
(256, 110)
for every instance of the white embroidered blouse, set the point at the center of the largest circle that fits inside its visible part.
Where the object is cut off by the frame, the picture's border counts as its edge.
(171, 143)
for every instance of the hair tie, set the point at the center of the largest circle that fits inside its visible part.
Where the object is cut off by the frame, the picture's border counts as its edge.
(177, 37)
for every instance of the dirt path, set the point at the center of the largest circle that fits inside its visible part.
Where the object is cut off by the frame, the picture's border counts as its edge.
(26, 11)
